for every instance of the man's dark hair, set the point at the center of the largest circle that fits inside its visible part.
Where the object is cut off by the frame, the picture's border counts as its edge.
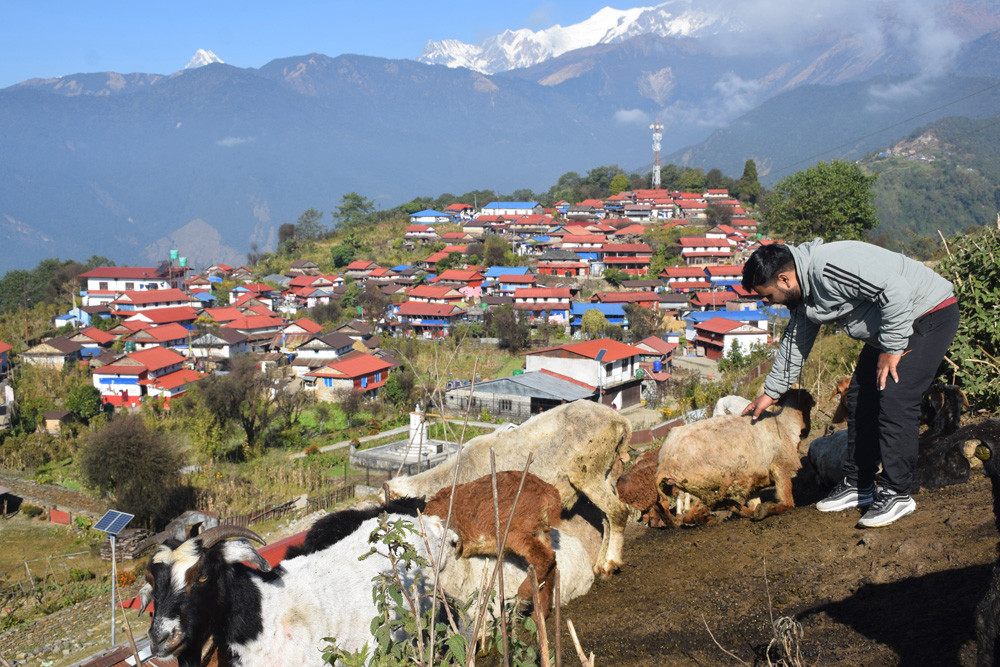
(765, 264)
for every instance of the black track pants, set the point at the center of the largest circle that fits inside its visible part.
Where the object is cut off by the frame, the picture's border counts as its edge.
(885, 424)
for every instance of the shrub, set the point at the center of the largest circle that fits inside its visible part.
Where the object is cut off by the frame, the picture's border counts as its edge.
(973, 269)
(126, 578)
(311, 450)
(31, 511)
(80, 574)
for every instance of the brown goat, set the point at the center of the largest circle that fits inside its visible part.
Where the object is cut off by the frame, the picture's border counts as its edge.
(538, 509)
(637, 488)
(728, 459)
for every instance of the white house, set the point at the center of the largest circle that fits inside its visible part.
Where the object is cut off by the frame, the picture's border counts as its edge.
(607, 366)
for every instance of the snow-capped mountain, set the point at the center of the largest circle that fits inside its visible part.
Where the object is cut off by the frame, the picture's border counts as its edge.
(201, 58)
(522, 48)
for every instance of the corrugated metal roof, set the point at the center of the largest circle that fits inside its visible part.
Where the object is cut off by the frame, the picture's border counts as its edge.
(534, 384)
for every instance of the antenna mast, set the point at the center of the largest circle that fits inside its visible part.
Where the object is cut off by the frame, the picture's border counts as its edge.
(657, 135)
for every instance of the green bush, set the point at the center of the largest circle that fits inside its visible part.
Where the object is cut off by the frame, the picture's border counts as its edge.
(31, 511)
(80, 574)
(973, 267)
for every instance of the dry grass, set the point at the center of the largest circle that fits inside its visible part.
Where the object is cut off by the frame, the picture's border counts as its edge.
(29, 539)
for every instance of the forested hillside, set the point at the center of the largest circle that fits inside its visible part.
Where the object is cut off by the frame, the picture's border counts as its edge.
(944, 176)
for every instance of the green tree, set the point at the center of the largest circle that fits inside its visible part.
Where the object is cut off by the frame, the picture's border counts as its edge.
(642, 322)
(354, 211)
(511, 330)
(309, 226)
(84, 401)
(594, 323)
(286, 232)
(691, 180)
(496, 251)
(717, 214)
(138, 467)
(619, 183)
(342, 255)
(832, 200)
(614, 276)
(748, 189)
(243, 397)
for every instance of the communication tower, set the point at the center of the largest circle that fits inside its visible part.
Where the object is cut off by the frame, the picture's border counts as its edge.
(657, 135)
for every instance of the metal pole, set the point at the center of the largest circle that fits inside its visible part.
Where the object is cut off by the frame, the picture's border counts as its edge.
(113, 583)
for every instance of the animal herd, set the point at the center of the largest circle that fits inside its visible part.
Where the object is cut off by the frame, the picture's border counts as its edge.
(569, 513)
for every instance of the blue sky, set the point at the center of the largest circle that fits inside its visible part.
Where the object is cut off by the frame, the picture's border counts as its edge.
(49, 39)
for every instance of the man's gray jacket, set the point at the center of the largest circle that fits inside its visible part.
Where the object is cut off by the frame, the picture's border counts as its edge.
(873, 294)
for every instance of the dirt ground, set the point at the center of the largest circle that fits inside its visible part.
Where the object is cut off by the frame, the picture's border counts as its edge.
(903, 594)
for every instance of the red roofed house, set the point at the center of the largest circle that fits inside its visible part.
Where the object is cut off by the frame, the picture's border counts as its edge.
(700, 250)
(434, 294)
(428, 320)
(646, 299)
(604, 364)
(173, 384)
(297, 333)
(122, 382)
(4, 361)
(719, 335)
(711, 300)
(183, 315)
(131, 302)
(93, 340)
(259, 329)
(359, 370)
(359, 269)
(544, 303)
(105, 283)
(460, 278)
(165, 335)
(459, 211)
(632, 258)
(422, 233)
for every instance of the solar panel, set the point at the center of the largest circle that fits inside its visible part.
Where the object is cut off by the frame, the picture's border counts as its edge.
(113, 522)
(601, 353)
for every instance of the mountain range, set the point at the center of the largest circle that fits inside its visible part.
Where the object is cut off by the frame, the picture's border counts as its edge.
(213, 158)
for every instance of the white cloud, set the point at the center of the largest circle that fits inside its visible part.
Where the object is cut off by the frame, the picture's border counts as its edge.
(230, 142)
(632, 116)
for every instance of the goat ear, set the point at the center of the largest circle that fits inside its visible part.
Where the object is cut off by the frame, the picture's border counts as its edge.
(237, 551)
(145, 597)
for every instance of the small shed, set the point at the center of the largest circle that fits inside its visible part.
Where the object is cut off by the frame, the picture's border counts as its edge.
(54, 419)
(10, 502)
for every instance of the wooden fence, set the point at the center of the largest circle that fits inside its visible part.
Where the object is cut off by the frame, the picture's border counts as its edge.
(257, 516)
(330, 498)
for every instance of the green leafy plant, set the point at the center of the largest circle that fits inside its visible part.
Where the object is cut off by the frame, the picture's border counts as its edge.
(973, 361)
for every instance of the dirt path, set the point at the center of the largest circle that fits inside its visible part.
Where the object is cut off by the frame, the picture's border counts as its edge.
(899, 595)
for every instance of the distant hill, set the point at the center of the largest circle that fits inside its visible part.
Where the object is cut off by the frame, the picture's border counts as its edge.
(943, 176)
(794, 130)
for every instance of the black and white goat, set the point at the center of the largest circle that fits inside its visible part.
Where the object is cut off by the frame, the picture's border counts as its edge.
(202, 591)
(988, 609)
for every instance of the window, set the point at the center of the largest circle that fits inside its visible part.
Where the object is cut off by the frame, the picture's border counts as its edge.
(327, 382)
(129, 286)
(506, 404)
(102, 285)
(607, 369)
(378, 376)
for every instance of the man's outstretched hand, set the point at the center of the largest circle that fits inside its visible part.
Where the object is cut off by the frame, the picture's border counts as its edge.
(758, 405)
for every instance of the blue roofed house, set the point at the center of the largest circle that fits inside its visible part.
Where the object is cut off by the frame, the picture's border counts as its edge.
(429, 217)
(613, 312)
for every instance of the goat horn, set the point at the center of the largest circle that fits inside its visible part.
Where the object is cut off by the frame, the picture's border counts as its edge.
(219, 533)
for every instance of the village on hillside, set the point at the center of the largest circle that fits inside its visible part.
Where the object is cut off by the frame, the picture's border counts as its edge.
(175, 326)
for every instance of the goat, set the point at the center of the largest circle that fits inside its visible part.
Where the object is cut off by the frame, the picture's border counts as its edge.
(728, 459)
(940, 407)
(942, 459)
(575, 447)
(730, 405)
(637, 488)
(202, 591)
(538, 509)
(988, 609)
